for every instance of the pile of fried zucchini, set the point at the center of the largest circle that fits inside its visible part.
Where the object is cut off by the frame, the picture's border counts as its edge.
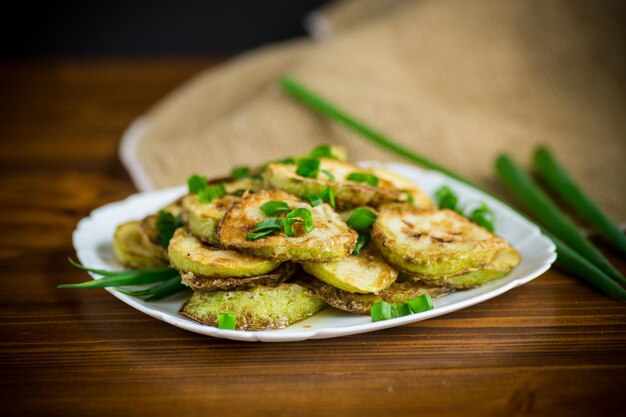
(314, 248)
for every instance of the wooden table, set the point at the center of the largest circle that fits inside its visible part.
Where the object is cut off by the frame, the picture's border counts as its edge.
(553, 347)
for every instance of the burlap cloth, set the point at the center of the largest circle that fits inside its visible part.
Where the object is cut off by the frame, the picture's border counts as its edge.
(457, 81)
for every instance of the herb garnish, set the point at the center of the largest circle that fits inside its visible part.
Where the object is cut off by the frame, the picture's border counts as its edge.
(361, 219)
(446, 198)
(308, 167)
(196, 183)
(274, 208)
(299, 215)
(167, 224)
(323, 151)
(363, 177)
(265, 228)
(207, 195)
(226, 321)
(240, 172)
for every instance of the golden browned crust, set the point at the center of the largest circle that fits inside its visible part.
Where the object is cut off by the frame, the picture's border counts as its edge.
(330, 239)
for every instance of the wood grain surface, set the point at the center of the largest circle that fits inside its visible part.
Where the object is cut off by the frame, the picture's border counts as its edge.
(553, 347)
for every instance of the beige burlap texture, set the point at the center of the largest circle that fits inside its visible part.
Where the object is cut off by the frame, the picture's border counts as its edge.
(456, 81)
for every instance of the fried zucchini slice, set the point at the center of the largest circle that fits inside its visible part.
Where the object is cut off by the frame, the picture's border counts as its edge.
(202, 219)
(258, 308)
(189, 254)
(433, 243)
(206, 284)
(347, 193)
(133, 248)
(331, 239)
(398, 292)
(503, 263)
(364, 273)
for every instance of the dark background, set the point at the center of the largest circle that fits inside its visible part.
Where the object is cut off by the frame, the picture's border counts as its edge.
(34, 28)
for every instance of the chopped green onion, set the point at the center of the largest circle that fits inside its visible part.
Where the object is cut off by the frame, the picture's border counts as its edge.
(409, 198)
(300, 214)
(196, 183)
(400, 309)
(421, 303)
(308, 168)
(446, 198)
(240, 172)
(167, 224)
(329, 196)
(561, 183)
(550, 215)
(226, 321)
(259, 235)
(274, 208)
(361, 219)
(287, 161)
(484, 217)
(322, 151)
(328, 174)
(208, 194)
(265, 228)
(380, 311)
(313, 199)
(269, 224)
(361, 242)
(363, 177)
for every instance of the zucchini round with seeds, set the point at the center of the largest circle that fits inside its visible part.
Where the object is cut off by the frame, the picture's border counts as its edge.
(133, 248)
(347, 193)
(259, 308)
(189, 254)
(330, 239)
(202, 219)
(205, 284)
(433, 243)
(398, 292)
(366, 272)
(503, 263)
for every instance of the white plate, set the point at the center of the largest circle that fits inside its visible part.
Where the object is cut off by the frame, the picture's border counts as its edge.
(93, 237)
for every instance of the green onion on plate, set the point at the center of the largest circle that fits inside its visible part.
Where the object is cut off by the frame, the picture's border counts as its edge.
(361, 219)
(274, 208)
(226, 321)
